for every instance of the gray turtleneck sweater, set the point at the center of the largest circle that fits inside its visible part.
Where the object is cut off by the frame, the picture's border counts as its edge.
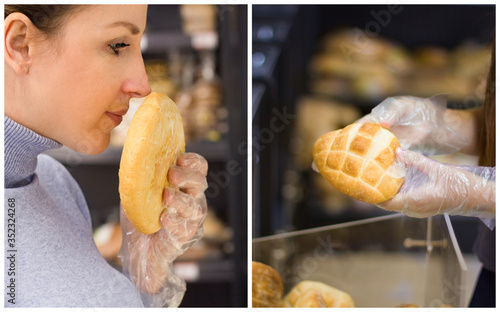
(50, 257)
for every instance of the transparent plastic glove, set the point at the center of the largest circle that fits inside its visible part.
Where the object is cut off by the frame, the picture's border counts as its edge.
(419, 124)
(148, 259)
(432, 188)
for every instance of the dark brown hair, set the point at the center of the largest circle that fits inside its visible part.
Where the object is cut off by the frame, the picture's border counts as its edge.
(487, 127)
(47, 18)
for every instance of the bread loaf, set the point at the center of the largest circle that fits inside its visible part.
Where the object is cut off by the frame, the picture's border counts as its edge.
(267, 286)
(310, 294)
(356, 160)
(154, 140)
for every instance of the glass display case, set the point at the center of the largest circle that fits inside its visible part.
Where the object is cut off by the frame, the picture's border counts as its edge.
(387, 261)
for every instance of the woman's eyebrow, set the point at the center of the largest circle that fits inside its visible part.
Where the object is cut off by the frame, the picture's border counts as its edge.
(132, 27)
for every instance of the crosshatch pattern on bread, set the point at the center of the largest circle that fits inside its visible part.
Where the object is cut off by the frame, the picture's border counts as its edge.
(356, 160)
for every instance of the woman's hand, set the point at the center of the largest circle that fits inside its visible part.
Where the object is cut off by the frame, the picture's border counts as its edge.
(423, 125)
(148, 259)
(432, 188)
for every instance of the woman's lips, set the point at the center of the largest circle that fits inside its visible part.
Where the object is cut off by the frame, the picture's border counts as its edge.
(117, 116)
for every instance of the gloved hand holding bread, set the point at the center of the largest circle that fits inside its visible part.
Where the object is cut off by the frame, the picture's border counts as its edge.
(432, 188)
(370, 161)
(164, 205)
(423, 125)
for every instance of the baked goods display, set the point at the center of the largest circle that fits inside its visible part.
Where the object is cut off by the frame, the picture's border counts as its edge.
(311, 294)
(198, 18)
(356, 160)
(196, 89)
(267, 286)
(373, 68)
(161, 77)
(267, 291)
(154, 140)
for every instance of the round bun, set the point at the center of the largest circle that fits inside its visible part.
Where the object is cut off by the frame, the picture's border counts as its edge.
(356, 161)
(311, 294)
(154, 141)
(267, 286)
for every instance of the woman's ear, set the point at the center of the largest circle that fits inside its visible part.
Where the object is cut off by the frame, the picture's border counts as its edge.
(19, 39)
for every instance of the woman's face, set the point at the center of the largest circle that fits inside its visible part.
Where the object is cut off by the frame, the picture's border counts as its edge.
(87, 74)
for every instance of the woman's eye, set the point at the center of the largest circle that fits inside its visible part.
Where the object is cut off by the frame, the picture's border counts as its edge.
(116, 47)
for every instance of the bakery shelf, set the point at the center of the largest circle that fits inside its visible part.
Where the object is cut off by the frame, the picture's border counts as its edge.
(212, 151)
(163, 41)
(205, 271)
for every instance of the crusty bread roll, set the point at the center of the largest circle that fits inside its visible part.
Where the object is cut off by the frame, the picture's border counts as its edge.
(311, 294)
(154, 140)
(356, 160)
(267, 286)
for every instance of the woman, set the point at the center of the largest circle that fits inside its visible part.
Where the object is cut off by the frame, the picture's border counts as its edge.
(70, 71)
(427, 127)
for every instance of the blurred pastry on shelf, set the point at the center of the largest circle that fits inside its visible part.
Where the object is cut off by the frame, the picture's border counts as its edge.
(108, 239)
(376, 86)
(215, 230)
(267, 286)
(159, 78)
(352, 46)
(432, 58)
(313, 294)
(207, 99)
(200, 98)
(352, 66)
(207, 93)
(471, 61)
(184, 101)
(428, 85)
(198, 18)
(337, 65)
(164, 86)
(200, 251)
(213, 245)
(156, 69)
(331, 86)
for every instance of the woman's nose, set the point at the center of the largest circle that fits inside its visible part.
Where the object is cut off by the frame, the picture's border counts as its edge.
(137, 85)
